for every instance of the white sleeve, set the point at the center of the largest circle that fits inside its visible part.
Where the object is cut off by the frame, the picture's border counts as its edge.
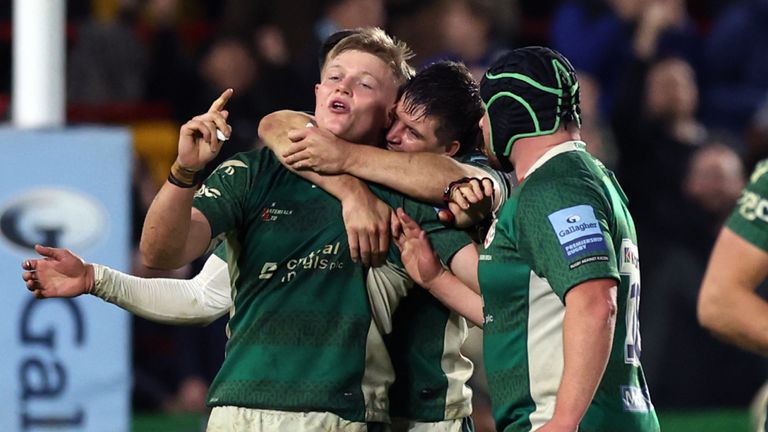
(200, 300)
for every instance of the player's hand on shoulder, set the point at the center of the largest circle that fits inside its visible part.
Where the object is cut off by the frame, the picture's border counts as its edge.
(318, 150)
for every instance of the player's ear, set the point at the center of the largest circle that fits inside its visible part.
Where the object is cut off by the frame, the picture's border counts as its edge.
(391, 115)
(452, 148)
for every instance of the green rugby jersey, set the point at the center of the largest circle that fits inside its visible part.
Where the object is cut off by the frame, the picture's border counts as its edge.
(572, 226)
(301, 333)
(750, 218)
(431, 374)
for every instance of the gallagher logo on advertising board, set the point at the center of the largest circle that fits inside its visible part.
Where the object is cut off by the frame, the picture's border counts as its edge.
(52, 217)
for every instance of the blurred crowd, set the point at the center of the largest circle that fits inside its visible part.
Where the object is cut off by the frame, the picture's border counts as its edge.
(674, 100)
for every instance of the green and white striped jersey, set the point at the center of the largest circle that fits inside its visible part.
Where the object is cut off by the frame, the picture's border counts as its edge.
(302, 336)
(566, 223)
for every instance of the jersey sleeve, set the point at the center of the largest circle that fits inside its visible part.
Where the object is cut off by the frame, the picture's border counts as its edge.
(223, 198)
(749, 220)
(564, 234)
(197, 301)
(445, 241)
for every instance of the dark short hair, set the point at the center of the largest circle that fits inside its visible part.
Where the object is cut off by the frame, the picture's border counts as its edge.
(447, 92)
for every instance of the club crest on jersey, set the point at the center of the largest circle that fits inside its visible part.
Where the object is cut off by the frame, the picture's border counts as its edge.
(578, 231)
(229, 166)
(207, 192)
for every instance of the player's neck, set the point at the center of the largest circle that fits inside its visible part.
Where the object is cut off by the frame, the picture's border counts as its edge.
(527, 151)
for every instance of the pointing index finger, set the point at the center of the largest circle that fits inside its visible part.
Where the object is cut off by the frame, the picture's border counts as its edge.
(221, 101)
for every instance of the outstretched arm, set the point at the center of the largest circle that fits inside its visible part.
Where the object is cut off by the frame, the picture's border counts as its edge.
(174, 233)
(197, 301)
(366, 218)
(426, 270)
(728, 304)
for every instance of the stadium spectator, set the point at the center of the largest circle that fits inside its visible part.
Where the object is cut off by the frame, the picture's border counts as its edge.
(655, 125)
(757, 137)
(98, 73)
(474, 32)
(595, 128)
(714, 177)
(337, 15)
(735, 67)
(598, 36)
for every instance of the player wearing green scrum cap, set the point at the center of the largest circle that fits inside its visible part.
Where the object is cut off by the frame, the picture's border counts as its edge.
(559, 273)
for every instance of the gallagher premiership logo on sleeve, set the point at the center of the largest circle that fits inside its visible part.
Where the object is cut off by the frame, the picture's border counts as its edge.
(579, 234)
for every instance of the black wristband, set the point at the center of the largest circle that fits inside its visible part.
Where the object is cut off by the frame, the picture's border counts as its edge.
(449, 189)
(176, 182)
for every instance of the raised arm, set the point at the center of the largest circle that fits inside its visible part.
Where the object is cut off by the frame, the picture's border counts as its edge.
(197, 301)
(728, 304)
(174, 233)
(366, 218)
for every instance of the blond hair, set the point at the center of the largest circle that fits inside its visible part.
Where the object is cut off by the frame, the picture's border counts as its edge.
(375, 41)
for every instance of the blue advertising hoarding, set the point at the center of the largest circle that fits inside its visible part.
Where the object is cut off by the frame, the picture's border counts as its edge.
(65, 363)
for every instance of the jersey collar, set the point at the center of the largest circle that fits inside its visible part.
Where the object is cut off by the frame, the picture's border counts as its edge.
(567, 146)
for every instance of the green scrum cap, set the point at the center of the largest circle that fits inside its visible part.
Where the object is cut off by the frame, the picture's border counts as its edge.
(528, 92)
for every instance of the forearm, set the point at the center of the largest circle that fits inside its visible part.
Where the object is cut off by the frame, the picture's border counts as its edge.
(737, 315)
(274, 127)
(197, 301)
(728, 304)
(422, 176)
(273, 132)
(587, 339)
(342, 186)
(457, 296)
